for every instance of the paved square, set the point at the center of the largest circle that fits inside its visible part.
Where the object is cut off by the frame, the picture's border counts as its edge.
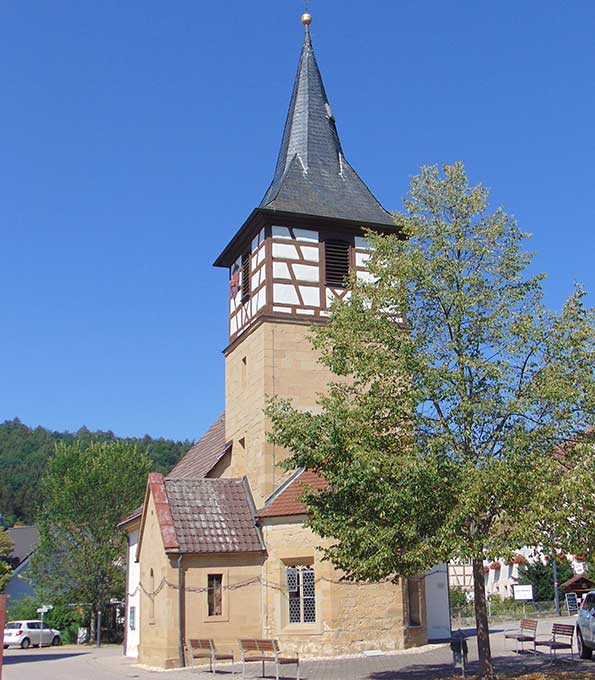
(426, 663)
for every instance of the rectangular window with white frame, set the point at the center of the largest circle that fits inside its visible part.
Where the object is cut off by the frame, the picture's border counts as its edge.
(301, 594)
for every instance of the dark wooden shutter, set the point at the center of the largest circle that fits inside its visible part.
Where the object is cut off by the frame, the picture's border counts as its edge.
(336, 258)
(245, 277)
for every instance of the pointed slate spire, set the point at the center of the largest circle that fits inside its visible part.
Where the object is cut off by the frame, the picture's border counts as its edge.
(312, 176)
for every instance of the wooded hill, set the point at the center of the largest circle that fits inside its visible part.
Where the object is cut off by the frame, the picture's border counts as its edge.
(24, 453)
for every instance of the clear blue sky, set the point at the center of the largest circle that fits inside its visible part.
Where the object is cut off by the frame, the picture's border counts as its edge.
(138, 135)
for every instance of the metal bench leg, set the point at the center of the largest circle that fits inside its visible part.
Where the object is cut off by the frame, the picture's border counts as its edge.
(263, 669)
(243, 667)
(276, 670)
(297, 673)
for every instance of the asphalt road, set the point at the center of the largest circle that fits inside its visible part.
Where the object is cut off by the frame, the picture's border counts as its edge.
(429, 662)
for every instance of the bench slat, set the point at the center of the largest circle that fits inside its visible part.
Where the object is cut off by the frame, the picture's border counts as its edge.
(260, 646)
(200, 644)
(563, 629)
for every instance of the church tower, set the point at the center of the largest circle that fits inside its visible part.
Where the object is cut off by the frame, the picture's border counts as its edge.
(222, 543)
(286, 264)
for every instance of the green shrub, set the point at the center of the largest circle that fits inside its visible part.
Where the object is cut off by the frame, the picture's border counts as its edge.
(67, 620)
(23, 609)
(457, 598)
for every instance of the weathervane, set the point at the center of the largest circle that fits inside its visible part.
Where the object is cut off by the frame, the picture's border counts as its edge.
(306, 16)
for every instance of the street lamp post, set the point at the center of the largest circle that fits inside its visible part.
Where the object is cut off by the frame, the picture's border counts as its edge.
(556, 591)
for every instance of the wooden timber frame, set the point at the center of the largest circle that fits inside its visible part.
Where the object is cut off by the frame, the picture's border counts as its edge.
(263, 220)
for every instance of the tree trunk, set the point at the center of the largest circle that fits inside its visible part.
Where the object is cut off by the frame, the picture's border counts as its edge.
(486, 667)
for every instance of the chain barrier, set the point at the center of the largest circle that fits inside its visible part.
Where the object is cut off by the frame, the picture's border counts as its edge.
(235, 586)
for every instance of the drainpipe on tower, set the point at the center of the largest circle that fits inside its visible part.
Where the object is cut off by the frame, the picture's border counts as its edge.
(181, 612)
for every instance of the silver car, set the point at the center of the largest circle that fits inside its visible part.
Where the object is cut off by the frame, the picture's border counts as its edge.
(585, 627)
(24, 634)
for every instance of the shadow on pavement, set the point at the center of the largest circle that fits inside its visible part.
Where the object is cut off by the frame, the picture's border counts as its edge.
(15, 659)
(516, 665)
(417, 672)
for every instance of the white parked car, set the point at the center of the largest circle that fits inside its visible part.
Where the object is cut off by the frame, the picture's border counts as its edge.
(24, 634)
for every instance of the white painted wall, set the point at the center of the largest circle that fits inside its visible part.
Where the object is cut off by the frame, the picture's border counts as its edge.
(437, 603)
(133, 596)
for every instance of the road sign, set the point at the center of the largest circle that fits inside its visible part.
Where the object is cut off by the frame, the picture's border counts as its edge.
(522, 592)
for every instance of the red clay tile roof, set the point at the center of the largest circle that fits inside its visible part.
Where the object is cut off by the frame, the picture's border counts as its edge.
(287, 502)
(205, 454)
(213, 515)
(588, 583)
(197, 461)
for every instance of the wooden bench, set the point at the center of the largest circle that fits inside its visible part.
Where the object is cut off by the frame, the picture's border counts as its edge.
(559, 630)
(205, 649)
(266, 650)
(527, 633)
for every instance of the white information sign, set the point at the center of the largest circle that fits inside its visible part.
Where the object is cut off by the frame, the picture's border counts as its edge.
(522, 592)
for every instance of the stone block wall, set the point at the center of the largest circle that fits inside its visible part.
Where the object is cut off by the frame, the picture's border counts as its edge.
(273, 359)
(350, 617)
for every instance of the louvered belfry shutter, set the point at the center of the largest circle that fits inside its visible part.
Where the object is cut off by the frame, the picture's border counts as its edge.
(245, 277)
(336, 260)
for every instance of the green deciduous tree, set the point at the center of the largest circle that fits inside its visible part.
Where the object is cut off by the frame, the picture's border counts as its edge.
(541, 576)
(87, 490)
(6, 547)
(454, 385)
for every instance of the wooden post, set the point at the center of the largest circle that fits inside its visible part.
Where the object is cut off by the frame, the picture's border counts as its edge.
(2, 623)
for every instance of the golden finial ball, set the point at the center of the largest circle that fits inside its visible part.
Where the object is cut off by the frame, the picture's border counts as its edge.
(306, 19)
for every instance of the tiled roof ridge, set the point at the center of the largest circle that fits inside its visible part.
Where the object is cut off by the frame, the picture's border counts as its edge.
(296, 474)
(201, 458)
(135, 514)
(163, 511)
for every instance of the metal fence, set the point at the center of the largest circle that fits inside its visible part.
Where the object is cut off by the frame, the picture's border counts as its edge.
(502, 610)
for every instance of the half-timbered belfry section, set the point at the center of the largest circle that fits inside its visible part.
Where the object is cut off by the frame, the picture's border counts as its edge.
(290, 258)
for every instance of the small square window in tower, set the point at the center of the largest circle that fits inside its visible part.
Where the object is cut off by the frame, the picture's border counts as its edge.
(336, 263)
(245, 277)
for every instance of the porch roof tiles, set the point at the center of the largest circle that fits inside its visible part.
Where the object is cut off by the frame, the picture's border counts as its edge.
(286, 500)
(213, 515)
